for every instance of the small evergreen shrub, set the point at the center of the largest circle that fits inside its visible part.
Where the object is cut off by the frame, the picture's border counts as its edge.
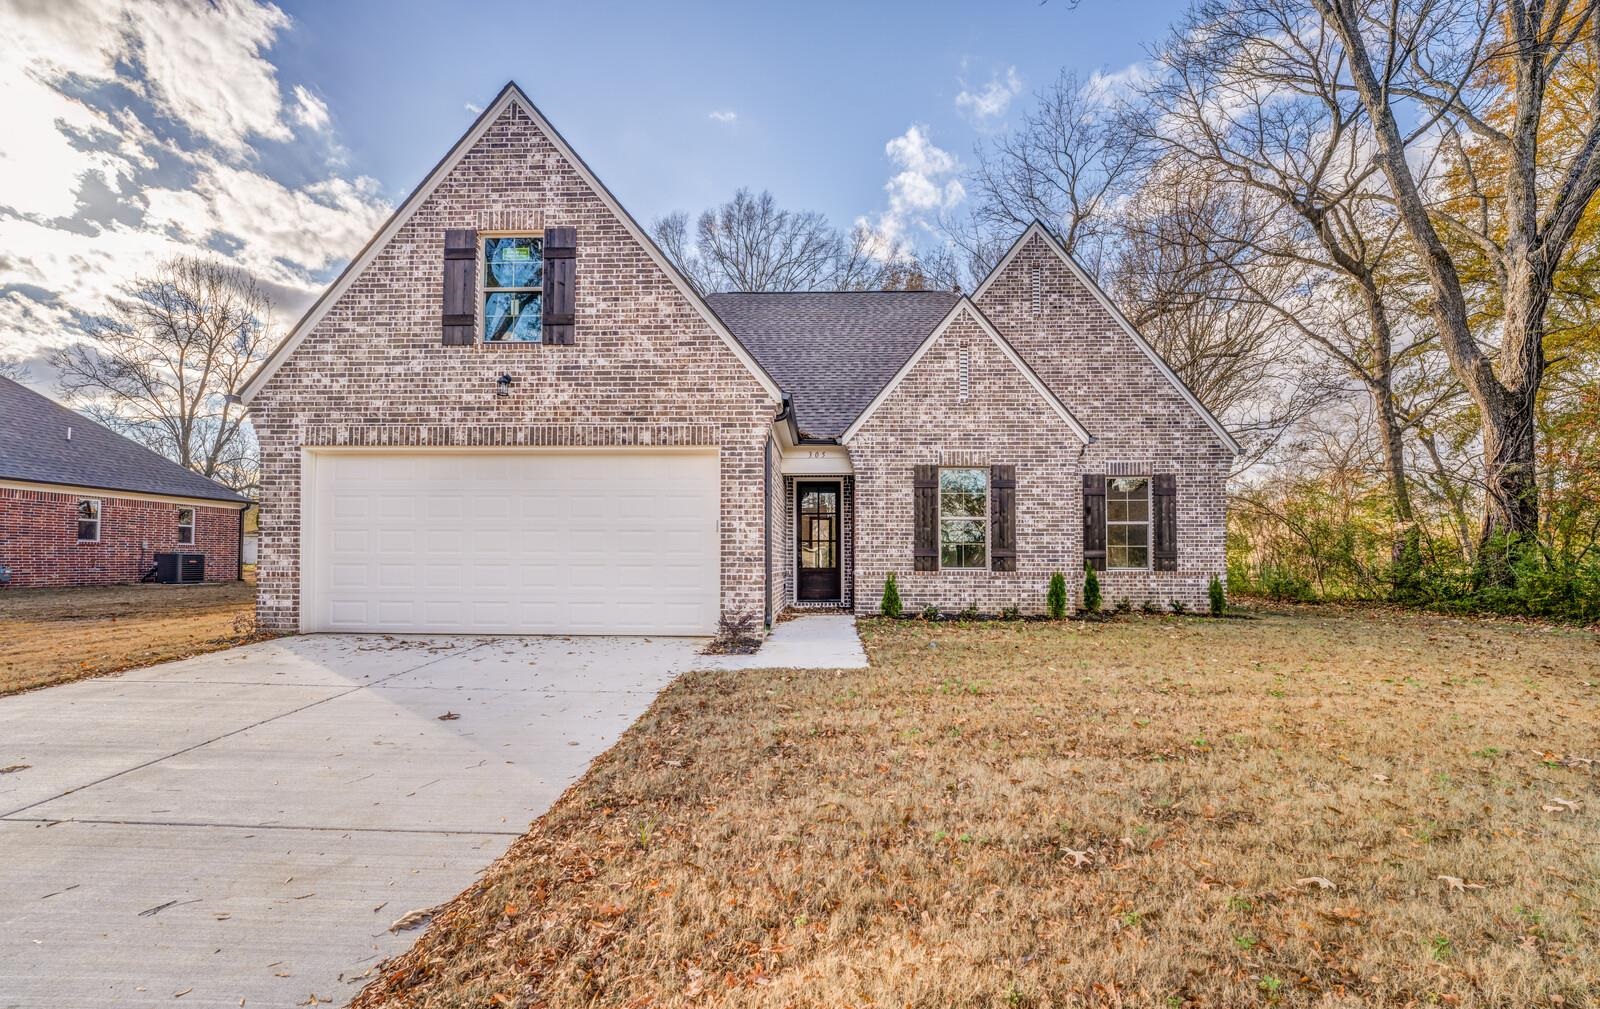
(970, 613)
(1150, 607)
(930, 613)
(1124, 605)
(1091, 589)
(1178, 607)
(890, 607)
(1219, 597)
(1011, 613)
(1055, 600)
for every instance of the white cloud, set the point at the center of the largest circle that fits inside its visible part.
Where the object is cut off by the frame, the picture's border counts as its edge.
(1108, 87)
(474, 109)
(165, 105)
(924, 184)
(724, 115)
(992, 100)
(309, 110)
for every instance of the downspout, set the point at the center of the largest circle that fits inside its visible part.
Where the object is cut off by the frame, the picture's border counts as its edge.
(238, 557)
(766, 525)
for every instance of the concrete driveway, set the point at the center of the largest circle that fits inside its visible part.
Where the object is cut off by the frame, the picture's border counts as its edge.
(246, 825)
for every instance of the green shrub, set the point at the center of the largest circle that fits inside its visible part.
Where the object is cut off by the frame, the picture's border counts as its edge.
(930, 612)
(1055, 600)
(970, 613)
(1091, 589)
(1124, 605)
(1011, 613)
(1219, 596)
(1150, 607)
(1178, 607)
(890, 607)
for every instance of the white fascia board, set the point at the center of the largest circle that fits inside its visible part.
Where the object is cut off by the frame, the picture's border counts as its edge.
(403, 214)
(1087, 281)
(966, 304)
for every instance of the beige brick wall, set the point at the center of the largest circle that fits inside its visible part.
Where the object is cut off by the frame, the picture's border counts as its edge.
(1003, 421)
(646, 369)
(1140, 423)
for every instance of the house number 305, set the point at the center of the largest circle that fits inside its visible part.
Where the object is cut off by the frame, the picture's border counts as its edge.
(816, 454)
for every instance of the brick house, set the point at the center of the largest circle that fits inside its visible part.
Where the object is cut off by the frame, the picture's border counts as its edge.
(82, 505)
(511, 414)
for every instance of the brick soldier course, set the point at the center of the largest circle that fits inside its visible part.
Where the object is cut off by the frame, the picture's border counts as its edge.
(651, 364)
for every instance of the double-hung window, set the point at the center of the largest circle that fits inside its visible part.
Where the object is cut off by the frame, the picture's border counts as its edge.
(88, 520)
(1128, 522)
(185, 526)
(513, 288)
(963, 518)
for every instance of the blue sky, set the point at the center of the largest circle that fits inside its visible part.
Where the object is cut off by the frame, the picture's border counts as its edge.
(280, 136)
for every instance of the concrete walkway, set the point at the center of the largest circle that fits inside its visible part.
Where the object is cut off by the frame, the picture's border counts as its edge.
(247, 824)
(816, 641)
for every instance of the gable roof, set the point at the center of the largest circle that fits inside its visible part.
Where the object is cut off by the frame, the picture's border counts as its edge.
(34, 447)
(966, 304)
(832, 351)
(1038, 228)
(509, 95)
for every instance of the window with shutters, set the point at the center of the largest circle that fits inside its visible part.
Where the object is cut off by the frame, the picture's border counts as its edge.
(963, 518)
(513, 286)
(88, 520)
(185, 526)
(1128, 522)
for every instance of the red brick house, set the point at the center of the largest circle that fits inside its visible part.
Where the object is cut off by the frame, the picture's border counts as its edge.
(82, 505)
(511, 414)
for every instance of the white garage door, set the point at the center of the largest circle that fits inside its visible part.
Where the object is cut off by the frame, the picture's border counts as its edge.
(512, 542)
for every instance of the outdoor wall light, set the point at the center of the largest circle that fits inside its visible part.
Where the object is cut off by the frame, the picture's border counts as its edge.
(502, 386)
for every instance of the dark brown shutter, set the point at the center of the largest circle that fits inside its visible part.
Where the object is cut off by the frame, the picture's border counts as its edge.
(1094, 520)
(1164, 520)
(1003, 518)
(560, 284)
(460, 288)
(926, 486)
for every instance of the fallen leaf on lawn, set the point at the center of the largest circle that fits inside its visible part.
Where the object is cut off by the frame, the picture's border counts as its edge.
(411, 919)
(1457, 883)
(511, 910)
(1382, 779)
(1079, 858)
(1321, 881)
(449, 716)
(1559, 805)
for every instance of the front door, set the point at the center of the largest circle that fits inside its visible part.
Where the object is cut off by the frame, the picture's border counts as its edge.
(817, 537)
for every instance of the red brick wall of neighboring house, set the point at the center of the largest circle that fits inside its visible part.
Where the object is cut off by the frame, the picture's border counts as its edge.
(39, 539)
(645, 367)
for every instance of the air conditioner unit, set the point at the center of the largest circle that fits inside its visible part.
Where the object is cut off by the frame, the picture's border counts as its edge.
(174, 569)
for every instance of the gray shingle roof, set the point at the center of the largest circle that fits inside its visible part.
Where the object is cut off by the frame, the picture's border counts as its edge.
(34, 447)
(832, 351)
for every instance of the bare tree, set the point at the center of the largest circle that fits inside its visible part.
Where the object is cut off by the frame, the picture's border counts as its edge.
(1065, 165)
(1484, 70)
(1258, 96)
(1212, 306)
(163, 366)
(752, 244)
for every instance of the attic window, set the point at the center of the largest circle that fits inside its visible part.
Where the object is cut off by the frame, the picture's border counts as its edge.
(513, 284)
(1036, 280)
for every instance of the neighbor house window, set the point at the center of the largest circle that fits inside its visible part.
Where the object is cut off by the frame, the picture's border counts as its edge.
(185, 525)
(963, 518)
(1128, 522)
(88, 520)
(513, 283)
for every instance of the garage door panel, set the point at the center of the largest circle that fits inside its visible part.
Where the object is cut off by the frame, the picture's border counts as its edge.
(514, 542)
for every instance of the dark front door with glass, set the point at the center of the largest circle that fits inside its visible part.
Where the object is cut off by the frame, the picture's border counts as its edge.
(817, 536)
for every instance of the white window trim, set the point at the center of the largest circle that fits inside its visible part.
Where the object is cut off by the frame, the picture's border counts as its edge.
(190, 525)
(1148, 523)
(480, 283)
(988, 501)
(99, 518)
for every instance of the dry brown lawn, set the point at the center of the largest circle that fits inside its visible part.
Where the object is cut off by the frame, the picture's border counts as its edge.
(1313, 808)
(51, 636)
